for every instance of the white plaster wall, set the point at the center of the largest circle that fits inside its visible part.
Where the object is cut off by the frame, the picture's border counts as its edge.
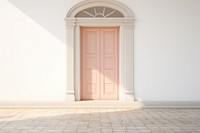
(167, 49)
(33, 50)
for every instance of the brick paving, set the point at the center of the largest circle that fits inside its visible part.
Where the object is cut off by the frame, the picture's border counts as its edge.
(99, 120)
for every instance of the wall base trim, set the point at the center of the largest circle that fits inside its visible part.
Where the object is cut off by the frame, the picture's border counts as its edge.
(99, 105)
(171, 104)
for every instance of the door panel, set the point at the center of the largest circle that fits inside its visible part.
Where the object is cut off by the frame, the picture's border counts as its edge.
(90, 63)
(109, 63)
(99, 63)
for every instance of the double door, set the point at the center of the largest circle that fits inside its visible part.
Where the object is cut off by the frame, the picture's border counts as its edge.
(99, 63)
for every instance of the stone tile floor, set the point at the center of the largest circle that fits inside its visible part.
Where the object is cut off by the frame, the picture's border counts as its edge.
(99, 120)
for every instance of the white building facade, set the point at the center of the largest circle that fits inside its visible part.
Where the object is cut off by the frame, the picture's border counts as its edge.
(159, 51)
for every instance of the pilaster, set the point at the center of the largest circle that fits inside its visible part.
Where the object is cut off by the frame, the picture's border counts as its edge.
(70, 94)
(127, 59)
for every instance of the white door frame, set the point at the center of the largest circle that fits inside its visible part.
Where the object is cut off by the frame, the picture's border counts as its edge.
(126, 26)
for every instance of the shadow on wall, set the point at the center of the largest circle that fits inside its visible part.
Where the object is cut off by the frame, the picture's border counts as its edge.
(49, 14)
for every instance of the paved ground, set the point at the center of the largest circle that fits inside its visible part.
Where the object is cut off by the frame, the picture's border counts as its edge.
(100, 120)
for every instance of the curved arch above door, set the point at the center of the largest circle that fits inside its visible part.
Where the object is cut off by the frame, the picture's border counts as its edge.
(100, 13)
(127, 13)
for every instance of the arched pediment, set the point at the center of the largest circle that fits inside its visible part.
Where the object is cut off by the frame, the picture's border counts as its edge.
(100, 8)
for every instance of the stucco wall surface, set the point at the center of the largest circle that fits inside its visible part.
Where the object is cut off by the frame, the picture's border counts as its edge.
(33, 50)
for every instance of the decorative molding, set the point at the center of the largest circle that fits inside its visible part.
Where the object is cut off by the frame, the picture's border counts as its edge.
(70, 92)
(70, 22)
(102, 105)
(126, 25)
(126, 52)
(171, 104)
(121, 21)
(128, 92)
(92, 3)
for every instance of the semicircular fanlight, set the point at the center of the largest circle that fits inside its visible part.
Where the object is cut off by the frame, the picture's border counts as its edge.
(99, 12)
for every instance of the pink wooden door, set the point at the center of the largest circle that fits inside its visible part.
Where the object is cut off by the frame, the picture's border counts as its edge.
(99, 63)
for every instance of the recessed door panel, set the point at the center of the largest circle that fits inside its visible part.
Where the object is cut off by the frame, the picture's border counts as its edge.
(109, 63)
(90, 83)
(99, 63)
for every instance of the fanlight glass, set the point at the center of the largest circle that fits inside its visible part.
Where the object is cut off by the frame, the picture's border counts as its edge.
(99, 12)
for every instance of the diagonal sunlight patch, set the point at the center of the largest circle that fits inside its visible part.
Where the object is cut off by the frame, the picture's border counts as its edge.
(38, 56)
